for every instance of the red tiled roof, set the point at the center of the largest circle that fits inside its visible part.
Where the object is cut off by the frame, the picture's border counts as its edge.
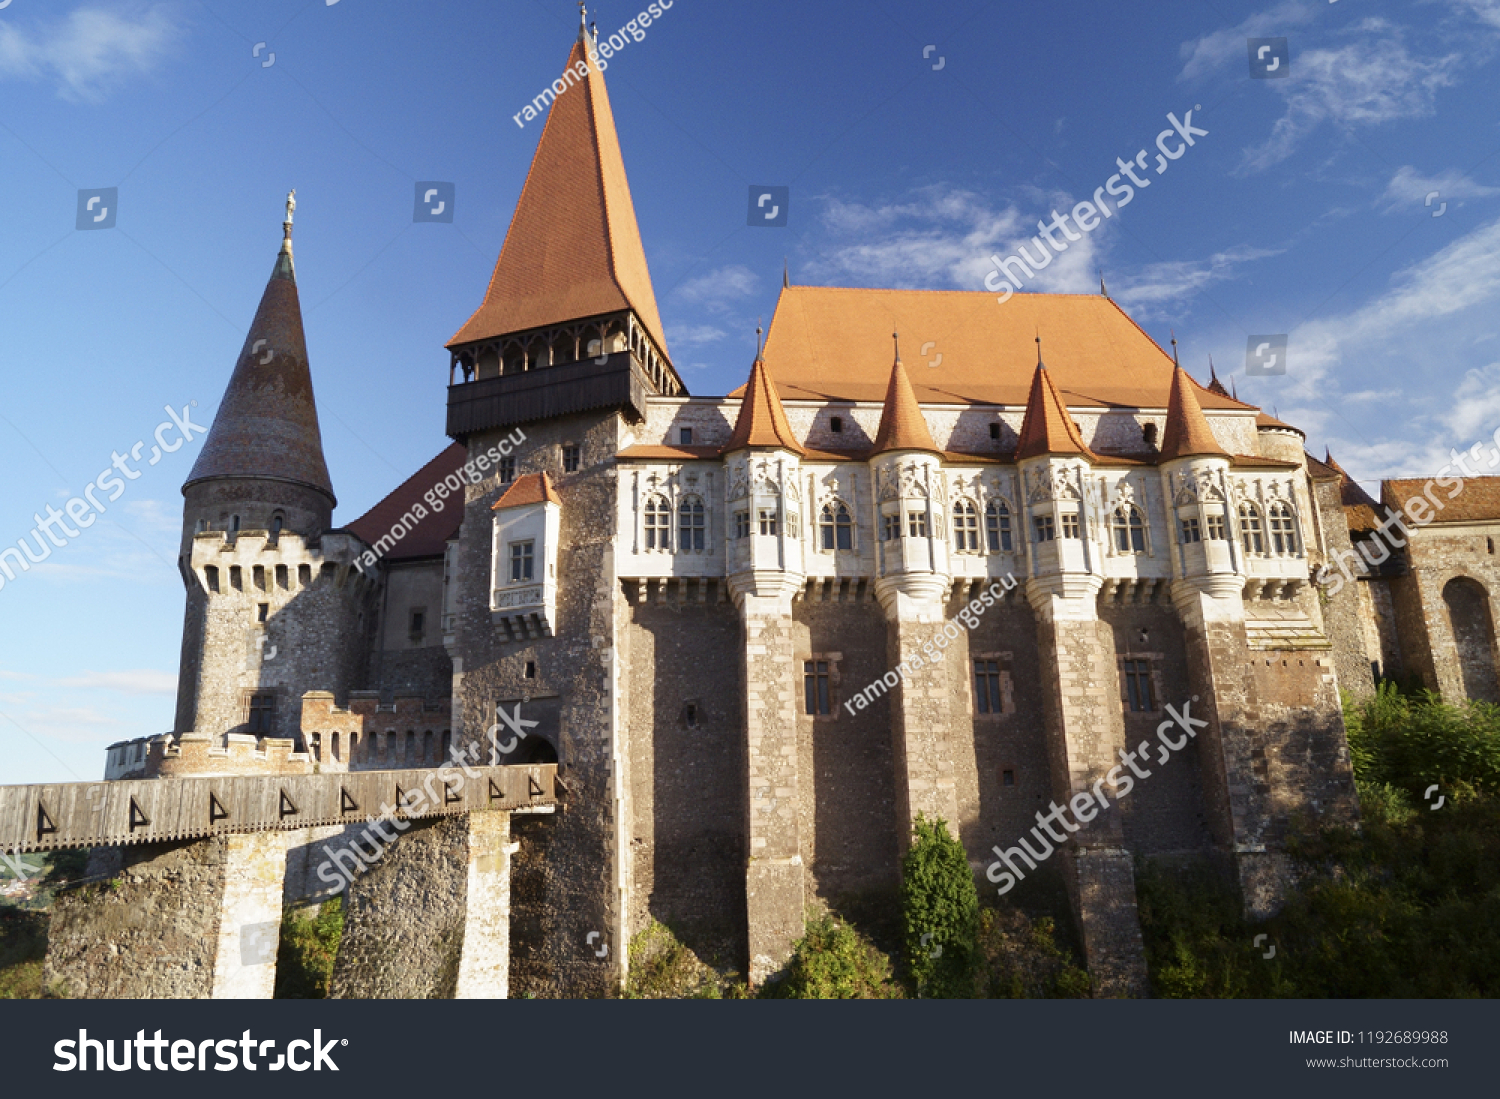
(762, 421)
(1187, 434)
(430, 536)
(1262, 420)
(902, 425)
(573, 249)
(1477, 501)
(533, 488)
(1048, 428)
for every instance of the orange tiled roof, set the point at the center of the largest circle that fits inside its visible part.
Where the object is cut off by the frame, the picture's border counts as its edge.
(531, 488)
(762, 420)
(429, 538)
(902, 425)
(1187, 433)
(573, 248)
(1360, 508)
(828, 343)
(1262, 420)
(1477, 501)
(1047, 428)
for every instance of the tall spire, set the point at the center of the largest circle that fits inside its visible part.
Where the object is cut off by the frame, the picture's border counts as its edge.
(1047, 428)
(1187, 433)
(902, 425)
(762, 420)
(573, 249)
(1214, 385)
(266, 426)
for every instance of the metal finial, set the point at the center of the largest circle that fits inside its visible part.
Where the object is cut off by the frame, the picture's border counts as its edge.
(286, 226)
(1039, 362)
(759, 348)
(583, 16)
(1174, 349)
(1103, 290)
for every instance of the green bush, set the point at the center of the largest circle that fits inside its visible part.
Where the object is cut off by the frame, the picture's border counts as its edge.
(304, 960)
(662, 968)
(23, 948)
(1019, 958)
(834, 962)
(939, 911)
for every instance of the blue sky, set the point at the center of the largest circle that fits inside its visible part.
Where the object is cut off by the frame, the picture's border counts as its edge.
(1303, 211)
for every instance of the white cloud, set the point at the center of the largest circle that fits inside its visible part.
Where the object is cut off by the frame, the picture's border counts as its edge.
(141, 682)
(695, 335)
(1159, 284)
(1410, 188)
(1221, 49)
(1369, 80)
(1486, 11)
(92, 51)
(717, 290)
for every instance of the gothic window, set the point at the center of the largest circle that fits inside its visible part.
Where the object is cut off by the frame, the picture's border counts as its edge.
(1216, 526)
(890, 526)
(658, 523)
(768, 520)
(1190, 531)
(690, 525)
(742, 524)
(997, 526)
(966, 527)
(1129, 529)
(835, 527)
(1046, 531)
(1283, 530)
(1070, 524)
(522, 560)
(1250, 529)
(916, 524)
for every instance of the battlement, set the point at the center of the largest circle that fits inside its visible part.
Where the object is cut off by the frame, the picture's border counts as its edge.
(193, 755)
(369, 736)
(258, 561)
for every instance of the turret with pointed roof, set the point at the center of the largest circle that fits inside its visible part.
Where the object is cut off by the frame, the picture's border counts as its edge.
(1047, 428)
(263, 457)
(902, 425)
(573, 254)
(762, 421)
(1187, 434)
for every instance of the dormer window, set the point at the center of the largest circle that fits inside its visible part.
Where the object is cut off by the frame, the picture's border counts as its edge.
(685, 436)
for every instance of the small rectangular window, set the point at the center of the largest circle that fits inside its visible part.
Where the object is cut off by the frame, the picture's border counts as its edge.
(1216, 528)
(521, 561)
(281, 577)
(236, 578)
(1190, 532)
(1045, 531)
(1007, 777)
(815, 686)
(260, 713)
(211, 574)
(418, 622)
(916, 524)
(531, 669)
(685, 436)
(994, 431)
(890, 527)
(571, 456)
(1070, 524)
(767, 520)
(836, 424)
(262, 612)
(259, 575)
(742, 524)
(1139, 695)
(987, 686)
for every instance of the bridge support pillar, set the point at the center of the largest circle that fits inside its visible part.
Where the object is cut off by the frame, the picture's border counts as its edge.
(430, 918)
(196, 920)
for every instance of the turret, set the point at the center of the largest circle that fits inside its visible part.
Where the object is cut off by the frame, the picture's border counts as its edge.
(911, 499)
(1195, 483)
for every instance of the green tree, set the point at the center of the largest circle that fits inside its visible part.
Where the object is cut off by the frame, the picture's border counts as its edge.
(940, 912)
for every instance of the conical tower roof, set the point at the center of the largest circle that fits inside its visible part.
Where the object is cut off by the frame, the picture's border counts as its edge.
(902, 425)
(1047, 427)
(762, 420)
(1187, 434)
(266, 427)
(573, 249)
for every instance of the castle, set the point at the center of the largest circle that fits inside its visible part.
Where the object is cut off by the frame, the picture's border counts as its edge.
(688, 594)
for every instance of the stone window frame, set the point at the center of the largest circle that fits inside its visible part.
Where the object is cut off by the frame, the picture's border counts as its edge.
(1004, 529)
(568, 451)
(658, 517)
(970, 525)
(1126, 517)
(831, 511)
(248, 708)
(1282, 511)
(1006, 662)
(835, 681)
(1156, 661)
(701, 529)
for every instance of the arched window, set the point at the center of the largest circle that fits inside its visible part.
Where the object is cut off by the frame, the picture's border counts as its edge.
(997, 526)
(1251, 530)
(835, 527)
(658, 524)
(690, 525)
(1283, 530)
(1129, 528)
(966, 527)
